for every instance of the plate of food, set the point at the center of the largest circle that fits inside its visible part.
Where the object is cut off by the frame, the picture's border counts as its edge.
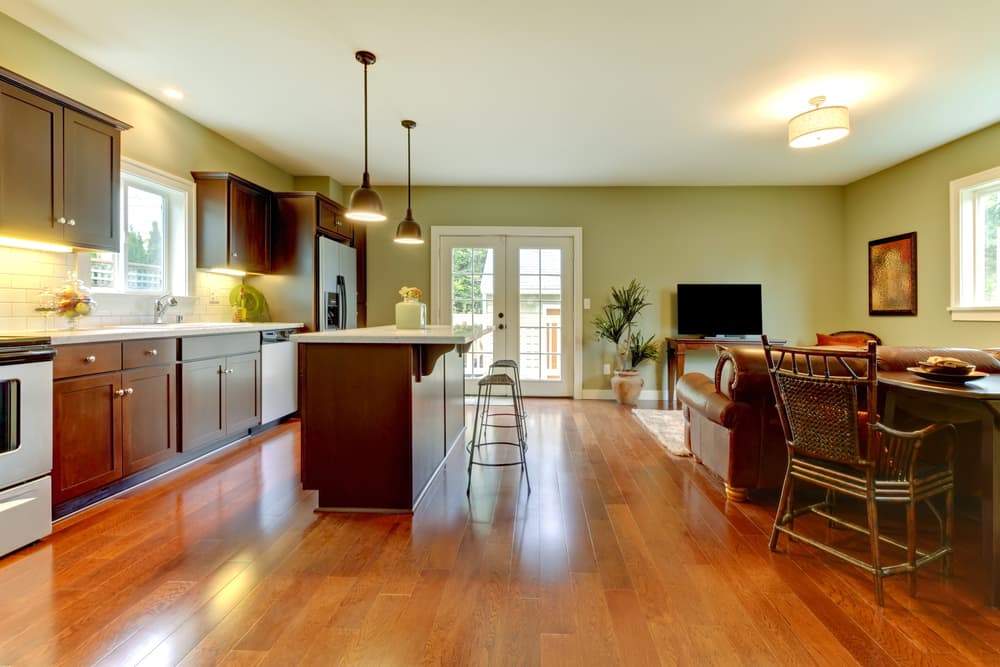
(946, 377)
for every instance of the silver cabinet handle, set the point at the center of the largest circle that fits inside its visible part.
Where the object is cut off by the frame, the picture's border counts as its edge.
(89, 359)
(129, 391)
(152, 353)
(119, 392)
(235, 255)
(61, 221)
(229, 371)
(71, 222)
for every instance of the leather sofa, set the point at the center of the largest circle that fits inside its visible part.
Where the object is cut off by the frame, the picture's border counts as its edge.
(731, 423)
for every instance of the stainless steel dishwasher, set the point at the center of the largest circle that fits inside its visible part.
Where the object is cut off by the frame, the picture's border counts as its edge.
(279, 382)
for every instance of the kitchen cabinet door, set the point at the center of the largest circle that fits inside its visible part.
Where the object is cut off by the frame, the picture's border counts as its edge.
(149, 409)
(202, 403)
(31, 173)
(249, 213)
(234, 223)
(242, 392)
(330, 218)
(92, 169)
(87, 448)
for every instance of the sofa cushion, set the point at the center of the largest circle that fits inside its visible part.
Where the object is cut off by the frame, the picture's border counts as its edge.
(847, 339)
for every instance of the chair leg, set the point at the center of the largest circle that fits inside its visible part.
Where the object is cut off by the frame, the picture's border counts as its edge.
(949, 531)
(475, 440)
(873, 533)
(779, 515)
(911, 545)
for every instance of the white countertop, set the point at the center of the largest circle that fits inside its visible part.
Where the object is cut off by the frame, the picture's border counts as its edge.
(435, 333)
(136, 331)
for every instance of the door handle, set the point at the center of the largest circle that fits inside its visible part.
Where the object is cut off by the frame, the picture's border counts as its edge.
(500, 326)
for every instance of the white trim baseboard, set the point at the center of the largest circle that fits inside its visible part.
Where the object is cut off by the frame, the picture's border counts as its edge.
(609, 395)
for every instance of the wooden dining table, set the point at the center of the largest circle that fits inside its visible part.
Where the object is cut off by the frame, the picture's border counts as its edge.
(975, 401)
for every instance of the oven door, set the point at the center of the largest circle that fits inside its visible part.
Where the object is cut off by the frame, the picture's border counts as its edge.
(25, 422)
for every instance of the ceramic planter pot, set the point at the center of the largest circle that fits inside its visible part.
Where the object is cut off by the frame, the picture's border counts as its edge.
(627, 386)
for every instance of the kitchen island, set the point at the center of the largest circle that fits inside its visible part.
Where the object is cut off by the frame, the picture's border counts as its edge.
(381, 410)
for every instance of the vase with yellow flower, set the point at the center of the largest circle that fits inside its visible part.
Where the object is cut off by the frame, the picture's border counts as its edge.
(410, 313)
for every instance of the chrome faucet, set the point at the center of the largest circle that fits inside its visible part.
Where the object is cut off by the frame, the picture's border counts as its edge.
(160, 307)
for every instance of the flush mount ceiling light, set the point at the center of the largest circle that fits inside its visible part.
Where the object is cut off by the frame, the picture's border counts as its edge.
(366, 204)
(408, 230)
(822, 125)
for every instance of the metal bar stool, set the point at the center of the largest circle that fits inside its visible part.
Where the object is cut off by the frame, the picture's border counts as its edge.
(511, 364)
(484, 418)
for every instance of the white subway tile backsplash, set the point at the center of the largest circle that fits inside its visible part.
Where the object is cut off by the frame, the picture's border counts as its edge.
(24, 274)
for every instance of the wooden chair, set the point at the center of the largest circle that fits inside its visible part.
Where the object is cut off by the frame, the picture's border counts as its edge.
(826, 401)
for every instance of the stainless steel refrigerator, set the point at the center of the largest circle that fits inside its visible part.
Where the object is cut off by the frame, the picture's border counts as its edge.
(338, 286)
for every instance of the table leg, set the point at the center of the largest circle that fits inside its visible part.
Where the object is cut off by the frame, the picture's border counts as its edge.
(990, 517)
(671, 380)
(678, 372)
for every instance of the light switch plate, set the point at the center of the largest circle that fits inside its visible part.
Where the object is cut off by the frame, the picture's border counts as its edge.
(607, 369)
(586, 303)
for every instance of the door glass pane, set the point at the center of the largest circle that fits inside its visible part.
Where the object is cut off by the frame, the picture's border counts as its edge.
(472, 298)
(540, 310)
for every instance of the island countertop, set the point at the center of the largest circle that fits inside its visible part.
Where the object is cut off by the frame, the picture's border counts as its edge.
(434, 334)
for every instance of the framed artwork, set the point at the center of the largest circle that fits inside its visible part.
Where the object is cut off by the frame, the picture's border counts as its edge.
(892, 275)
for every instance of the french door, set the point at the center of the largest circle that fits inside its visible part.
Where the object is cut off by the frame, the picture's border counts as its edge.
(522, 286)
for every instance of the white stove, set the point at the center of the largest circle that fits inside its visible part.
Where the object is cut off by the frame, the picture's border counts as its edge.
(25, 441)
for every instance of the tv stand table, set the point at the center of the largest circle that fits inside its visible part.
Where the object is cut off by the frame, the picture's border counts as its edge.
(677, 347)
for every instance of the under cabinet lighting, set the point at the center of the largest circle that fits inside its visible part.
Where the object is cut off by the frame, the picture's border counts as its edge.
(227, 272)
(173, 93)
(34, 245)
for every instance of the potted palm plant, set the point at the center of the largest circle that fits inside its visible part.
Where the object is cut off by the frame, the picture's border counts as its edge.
(617, 324)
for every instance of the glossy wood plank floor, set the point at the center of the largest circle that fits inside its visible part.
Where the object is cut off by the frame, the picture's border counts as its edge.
(622, 555)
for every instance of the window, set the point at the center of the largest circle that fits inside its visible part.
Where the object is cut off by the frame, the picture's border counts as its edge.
(155, 209)
(975, 246)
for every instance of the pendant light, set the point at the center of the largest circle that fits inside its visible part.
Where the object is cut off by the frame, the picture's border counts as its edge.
(366, 204)
(818, 126)
(408, 230)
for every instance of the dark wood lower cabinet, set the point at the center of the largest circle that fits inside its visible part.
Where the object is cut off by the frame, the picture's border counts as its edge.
(87, 435)
(220, 397)
(149, 417)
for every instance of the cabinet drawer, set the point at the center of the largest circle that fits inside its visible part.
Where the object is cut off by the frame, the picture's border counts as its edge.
(151, 352)
(86, 359)
(204, 347)
(331, 219)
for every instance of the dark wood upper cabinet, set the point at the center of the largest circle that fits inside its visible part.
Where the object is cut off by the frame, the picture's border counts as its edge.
(92, 158)
(60, 165)
(330, 218)
(234, 222)
(31, 185)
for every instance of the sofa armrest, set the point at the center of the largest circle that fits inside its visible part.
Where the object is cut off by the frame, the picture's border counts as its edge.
(698, 392)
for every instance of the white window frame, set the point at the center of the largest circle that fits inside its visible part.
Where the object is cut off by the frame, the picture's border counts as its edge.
(178, 239)
(964, 267)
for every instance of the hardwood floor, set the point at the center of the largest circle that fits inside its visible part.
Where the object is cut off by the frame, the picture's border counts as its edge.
(622, 555)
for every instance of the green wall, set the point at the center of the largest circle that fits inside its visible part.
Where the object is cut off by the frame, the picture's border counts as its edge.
(913, 196)
(160, 136)
(790, 239)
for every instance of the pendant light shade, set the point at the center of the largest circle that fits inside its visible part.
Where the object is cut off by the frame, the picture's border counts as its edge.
(819, 126)
(408, 230)
(366, 204)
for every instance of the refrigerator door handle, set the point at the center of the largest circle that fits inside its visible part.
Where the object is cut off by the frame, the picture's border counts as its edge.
(342, 290)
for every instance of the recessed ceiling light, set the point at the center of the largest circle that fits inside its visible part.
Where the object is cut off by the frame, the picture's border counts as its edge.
(173, 93)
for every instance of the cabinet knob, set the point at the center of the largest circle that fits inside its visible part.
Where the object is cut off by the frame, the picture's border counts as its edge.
(129, 391)
(119, 392)
(235, 255)
(152, 353)
(71, 222)
(229, 371)
(89, 359)
(61, 221)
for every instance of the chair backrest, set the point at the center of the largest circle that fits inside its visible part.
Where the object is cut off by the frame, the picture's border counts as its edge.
(821, 394)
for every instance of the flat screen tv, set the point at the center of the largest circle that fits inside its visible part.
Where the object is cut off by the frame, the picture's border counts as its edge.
(718, 310)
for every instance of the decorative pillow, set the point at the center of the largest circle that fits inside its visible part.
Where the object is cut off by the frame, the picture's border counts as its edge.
(849, 340)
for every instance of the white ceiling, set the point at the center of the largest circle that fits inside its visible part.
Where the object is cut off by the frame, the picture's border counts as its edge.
(554, 92)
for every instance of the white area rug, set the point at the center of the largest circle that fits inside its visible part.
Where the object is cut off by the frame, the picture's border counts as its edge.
(667, 426)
